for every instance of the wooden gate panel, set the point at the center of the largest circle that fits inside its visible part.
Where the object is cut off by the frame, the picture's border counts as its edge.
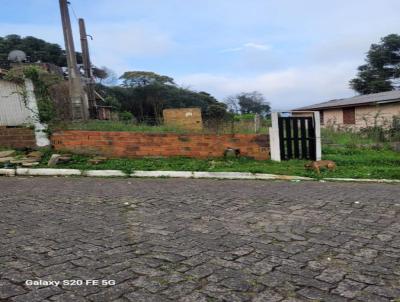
(294, 139)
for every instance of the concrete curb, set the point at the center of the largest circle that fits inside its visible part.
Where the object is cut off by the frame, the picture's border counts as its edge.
(7, 172)
(47, 172)
(104, 173)
(175, 174)
(363, 180)
(224, 175)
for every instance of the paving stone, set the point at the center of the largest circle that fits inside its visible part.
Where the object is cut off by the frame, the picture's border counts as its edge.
(201, 271)
(267, 296)
(349, 289)
(331, 275)
(142, 296)
(7, 289)
(37, 295)
(198, 240)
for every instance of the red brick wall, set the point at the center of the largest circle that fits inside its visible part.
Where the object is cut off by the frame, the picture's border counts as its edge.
(17, 137)
(133, 144)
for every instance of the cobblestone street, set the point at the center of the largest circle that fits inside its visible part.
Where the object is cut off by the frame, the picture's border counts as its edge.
(198, 240)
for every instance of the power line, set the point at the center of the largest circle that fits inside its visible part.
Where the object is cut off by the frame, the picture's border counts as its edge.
(76, 16)
(73, 11)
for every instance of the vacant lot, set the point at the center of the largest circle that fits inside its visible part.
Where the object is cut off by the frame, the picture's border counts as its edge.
(199, 240)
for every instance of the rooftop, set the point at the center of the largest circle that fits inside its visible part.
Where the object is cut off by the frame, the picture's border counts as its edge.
(374, 98)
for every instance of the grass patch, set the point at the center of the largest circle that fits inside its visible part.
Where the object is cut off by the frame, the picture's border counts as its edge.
(345, 138)
(352, 163)
(97, 125)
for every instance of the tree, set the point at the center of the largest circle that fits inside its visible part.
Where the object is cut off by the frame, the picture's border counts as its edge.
(105, 75)
(382, 69)
(146, 94)
(36, 50)
(248, 102)
(144, 78)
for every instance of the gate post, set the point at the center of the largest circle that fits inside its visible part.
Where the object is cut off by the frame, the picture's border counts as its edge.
(317, 123)
(274, 138)
(41, 136)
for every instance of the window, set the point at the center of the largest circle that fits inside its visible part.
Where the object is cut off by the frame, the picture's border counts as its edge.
(349, 116)
(321, 117)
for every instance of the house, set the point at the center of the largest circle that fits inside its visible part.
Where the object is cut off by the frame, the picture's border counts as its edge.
(377, 109)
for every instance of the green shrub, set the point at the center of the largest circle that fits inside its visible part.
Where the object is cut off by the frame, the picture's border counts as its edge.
(125, 116)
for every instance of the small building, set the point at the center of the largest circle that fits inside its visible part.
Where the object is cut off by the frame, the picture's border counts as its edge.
(377, 109)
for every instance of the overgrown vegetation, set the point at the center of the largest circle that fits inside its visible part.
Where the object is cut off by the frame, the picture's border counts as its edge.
(42, 81)
(98, 125)
(374, 135)
(231, 126)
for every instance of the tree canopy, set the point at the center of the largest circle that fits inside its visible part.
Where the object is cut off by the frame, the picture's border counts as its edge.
(382, 69)
(36, 49)
(146, 94)
(144, 78)
(248, 102)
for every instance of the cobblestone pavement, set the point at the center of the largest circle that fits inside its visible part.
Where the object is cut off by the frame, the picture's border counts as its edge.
(198, 240)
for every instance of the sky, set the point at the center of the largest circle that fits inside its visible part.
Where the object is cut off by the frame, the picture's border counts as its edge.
(294, 52)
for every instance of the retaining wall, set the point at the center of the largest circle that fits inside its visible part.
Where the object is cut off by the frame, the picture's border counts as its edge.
(133, 144)
(17, 137)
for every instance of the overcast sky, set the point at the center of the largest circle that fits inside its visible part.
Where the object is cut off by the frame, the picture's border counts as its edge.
(294, 52)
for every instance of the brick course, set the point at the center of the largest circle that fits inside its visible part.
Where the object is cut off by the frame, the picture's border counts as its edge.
(134, 144)
(17, 137)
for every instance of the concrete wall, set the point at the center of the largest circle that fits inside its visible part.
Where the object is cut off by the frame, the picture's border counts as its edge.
(382, 114)
(333, 117)
(365, 116)
(185, 118)
(134, 144)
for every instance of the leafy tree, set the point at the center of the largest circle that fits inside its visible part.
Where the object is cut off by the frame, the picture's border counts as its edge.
(105, 75)
(99, 73)
(36, 50)
(248, 102)
(144, 78)
(382, 69)
(146, 94)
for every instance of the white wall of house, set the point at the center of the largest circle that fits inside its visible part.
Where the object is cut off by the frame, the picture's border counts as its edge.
(13, 111)
(333, 117)
(382, 115)
(365, 116)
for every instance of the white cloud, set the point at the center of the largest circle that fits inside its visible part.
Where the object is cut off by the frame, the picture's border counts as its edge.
(247, 46)
(285, 89)
(257, 46)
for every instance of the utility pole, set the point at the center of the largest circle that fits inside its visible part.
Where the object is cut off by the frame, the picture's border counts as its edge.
(79, 112)
(87, 65)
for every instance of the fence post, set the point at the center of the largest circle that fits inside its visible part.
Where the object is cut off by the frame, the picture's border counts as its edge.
(257, 121)
(274, 138)
(317, 123)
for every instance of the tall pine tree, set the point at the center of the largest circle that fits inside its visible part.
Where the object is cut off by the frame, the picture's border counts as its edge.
(382, 69)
